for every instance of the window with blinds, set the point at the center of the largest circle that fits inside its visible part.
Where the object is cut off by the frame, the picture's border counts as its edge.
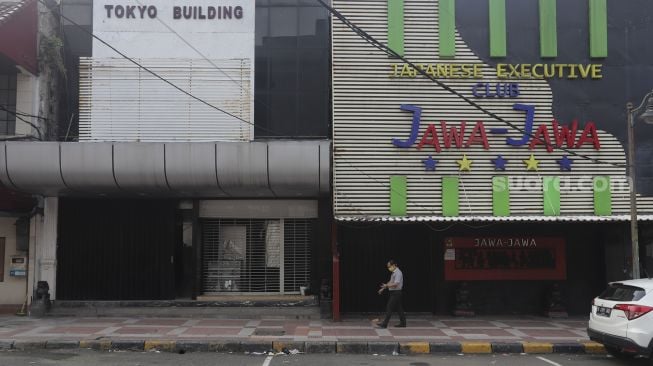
(255, 255)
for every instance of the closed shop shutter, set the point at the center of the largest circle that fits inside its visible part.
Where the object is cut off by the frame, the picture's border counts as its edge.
(255, 255)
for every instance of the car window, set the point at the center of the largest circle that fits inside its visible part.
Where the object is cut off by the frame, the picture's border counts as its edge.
(621, 292)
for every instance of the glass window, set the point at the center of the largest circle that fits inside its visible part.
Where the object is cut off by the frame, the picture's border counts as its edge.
(619, 292)
(310, 19)
(7, 104)
(292, 69)
(262, 29)
(283, 22)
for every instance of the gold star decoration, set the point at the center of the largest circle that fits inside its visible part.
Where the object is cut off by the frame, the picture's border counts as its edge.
(465, 164)
(531, 163)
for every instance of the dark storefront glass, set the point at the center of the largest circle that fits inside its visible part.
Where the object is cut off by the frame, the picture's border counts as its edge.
(292, 69)
(7, 104)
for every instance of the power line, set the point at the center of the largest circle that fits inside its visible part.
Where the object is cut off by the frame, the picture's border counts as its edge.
(152, 72)
(198, 51)
(384, 48)
(267, 107)
(18, 117)
(26, 114)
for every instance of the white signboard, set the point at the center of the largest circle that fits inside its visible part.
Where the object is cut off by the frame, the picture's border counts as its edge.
(161, 29)
(205, 48)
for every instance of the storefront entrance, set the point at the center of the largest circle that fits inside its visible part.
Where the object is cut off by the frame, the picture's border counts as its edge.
(261, 256)
(116, 249)
(364, 253)
(500, 281)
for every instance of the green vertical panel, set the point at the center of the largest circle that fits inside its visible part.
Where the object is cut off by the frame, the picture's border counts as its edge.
(450, 196)
(548, 31)
(598, 28)
(497, 28)
(398, 195)
(551, 195)
(396, 26)
(500, 196)
(602, 196)
(447, 28)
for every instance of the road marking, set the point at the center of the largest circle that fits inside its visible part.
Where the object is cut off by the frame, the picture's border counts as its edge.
(267, 361)
(548, 361)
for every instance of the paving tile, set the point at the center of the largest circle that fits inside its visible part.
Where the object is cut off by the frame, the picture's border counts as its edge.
(538, 333)
(73, 330)
(417, 332)
(222, 322)
(164, 322)
(348, 332)
(142, 330)
(418, 323)
(489, 332)
(467, 323)
(209, 331)
(527, 324)
(97, 320)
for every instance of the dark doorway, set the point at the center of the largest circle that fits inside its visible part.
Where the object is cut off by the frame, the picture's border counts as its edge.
(116, 250)
(363, 255)
(418, 248)
(184, 254)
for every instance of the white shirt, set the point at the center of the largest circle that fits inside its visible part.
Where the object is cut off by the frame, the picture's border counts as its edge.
(398, 278)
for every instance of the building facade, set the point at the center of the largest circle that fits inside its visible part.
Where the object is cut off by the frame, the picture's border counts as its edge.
(196, 164)
(485, 150)
(29, 79)
(260, 148)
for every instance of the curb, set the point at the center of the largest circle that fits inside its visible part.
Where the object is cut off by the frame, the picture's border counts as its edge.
(314, 347)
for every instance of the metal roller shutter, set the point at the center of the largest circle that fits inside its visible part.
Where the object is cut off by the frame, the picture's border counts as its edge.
(249, 256)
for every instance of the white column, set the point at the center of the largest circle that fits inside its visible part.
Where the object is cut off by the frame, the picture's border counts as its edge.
(32, 267)
(46, 245)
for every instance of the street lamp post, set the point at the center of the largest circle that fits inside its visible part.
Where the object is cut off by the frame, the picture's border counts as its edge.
(647, 116)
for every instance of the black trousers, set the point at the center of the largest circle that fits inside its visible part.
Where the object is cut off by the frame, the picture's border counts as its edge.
(394, 304)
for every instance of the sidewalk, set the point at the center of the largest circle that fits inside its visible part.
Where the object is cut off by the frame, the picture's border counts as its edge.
(423, 335)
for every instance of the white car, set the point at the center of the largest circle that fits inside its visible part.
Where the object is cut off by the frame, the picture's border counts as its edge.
(622, 318)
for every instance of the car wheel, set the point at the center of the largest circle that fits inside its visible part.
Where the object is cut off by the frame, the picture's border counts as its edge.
(618, 353)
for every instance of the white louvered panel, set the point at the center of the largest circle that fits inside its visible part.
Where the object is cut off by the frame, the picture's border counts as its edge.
(122, 102)
(367, 116)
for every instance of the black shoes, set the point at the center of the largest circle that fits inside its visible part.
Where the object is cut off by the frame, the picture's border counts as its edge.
(400, 325)
(380, 326)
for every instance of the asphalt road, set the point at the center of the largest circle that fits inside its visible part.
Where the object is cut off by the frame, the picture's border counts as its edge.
(87, 357)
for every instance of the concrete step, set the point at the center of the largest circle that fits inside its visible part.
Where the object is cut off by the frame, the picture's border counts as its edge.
(231, 308)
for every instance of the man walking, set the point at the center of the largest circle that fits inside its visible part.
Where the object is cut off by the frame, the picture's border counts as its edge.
(394, 287)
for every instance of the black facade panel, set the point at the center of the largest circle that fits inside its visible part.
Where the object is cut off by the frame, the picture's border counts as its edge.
(115, 250)
(292, 82)
(419, 250)
(627, 71)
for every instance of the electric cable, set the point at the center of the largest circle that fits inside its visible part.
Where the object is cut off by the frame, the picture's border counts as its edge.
(152, 72)
(387, 50)
(18, 117)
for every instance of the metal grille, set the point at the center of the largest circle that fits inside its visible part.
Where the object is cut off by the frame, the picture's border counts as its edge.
(7, 104)
(255, 255)
(297, 253)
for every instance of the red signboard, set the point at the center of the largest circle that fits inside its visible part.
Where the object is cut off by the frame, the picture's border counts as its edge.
(504, 258)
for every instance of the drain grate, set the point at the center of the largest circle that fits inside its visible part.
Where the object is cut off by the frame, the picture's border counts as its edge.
(269, 332)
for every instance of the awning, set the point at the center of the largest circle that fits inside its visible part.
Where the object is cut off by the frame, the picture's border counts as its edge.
(19, 27)
(289, 169)
(453, 219)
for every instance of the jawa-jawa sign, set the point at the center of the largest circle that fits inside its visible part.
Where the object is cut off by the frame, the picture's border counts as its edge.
(444, 135)
(504, 258)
